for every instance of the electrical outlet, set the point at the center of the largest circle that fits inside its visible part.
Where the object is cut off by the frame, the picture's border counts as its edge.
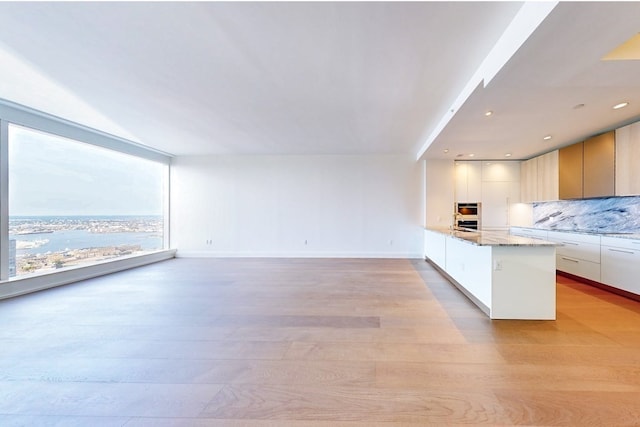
(305, 242)
(497, 265)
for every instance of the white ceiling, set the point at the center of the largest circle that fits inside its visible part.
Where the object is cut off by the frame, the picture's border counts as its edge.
(318, 78)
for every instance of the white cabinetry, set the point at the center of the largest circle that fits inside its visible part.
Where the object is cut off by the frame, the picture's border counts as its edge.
(470, 265)
(506, 282)
(504, 171)
(579, 254)
(468, 181)
(529, 180)
(614, 261)
(496, 184)
(620, 263)
(500, 189)
(539, 178)
(627, 159)
(548, 177)
(435, 247)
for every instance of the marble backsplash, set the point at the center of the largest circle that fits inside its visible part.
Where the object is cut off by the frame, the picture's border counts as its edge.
(607, 215)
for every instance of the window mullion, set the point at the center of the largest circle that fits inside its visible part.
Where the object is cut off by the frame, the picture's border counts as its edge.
(4, 200)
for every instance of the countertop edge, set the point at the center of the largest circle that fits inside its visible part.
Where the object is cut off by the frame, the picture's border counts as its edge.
(491, 238)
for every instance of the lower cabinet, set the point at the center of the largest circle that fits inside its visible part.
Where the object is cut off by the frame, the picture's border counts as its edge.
(620, 261)
(578, 267)
(613, 261)
(579, 254)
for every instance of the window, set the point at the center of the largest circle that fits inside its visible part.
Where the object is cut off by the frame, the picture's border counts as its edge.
(71, 203)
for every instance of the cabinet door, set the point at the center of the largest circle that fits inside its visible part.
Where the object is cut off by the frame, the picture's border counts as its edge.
(627, 160)
(570, 165)
(529, 180)
(474, 181)
(495, 204)
(599, 163)
(620, 268)
(504, 170)
(548, 177)
(461, 181)
(468, 181)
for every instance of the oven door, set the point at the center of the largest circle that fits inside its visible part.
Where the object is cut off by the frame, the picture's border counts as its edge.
(468, 223)
(467, 209)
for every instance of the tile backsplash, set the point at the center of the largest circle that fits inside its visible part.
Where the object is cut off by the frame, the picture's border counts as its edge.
(606, 215)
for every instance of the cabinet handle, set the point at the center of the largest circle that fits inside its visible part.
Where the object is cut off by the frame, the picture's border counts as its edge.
(570, 243)
(635, 242)
(620, 250)
(570, 259)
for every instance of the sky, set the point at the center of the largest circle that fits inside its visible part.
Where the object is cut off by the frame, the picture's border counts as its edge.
(51, 175)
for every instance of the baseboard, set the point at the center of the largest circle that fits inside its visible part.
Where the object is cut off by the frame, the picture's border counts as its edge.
(225, 254)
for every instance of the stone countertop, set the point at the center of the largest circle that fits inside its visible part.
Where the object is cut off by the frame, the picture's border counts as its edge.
(589, 232)
(492, 238)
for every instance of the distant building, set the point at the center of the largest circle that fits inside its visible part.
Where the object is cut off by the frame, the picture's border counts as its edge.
(12, 258)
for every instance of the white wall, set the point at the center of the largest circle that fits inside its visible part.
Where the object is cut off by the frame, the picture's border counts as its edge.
(440, 188)
(342, 206)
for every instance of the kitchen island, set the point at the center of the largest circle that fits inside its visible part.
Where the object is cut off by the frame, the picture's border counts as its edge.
(506, 276)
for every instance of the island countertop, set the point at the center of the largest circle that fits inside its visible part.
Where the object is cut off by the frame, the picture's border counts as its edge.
(491, 238)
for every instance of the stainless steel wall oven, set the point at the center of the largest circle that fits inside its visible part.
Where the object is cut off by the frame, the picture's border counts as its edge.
(468, 215)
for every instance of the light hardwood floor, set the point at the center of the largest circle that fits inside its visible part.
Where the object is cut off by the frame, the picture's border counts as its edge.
(310, 343)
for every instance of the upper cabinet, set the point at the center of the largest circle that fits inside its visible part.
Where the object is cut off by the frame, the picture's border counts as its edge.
(501, 171)
(570, 167)
(599, 165)
(587, 169)
(539, 178)
(529, 180)
(627, 160)
(548, 177)
(468, 181)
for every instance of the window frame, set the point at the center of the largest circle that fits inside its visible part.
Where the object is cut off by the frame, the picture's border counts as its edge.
(12, 113)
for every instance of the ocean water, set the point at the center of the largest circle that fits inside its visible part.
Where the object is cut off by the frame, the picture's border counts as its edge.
(81, 239)
(65, 239)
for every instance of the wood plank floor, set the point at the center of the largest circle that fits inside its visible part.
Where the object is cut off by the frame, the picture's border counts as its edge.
(310, 343)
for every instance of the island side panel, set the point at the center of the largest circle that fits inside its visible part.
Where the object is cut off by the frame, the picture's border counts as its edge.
(434, 247)
(470, 266)
(524, 282)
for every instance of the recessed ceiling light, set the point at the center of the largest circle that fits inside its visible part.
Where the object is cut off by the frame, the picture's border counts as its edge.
(546, 138)
(621, 105)
(488, 113)
(508, 155)
(471, 155)
(446, 150)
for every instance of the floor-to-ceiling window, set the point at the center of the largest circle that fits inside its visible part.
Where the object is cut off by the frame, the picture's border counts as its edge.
(73, 197)
(72, 204)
